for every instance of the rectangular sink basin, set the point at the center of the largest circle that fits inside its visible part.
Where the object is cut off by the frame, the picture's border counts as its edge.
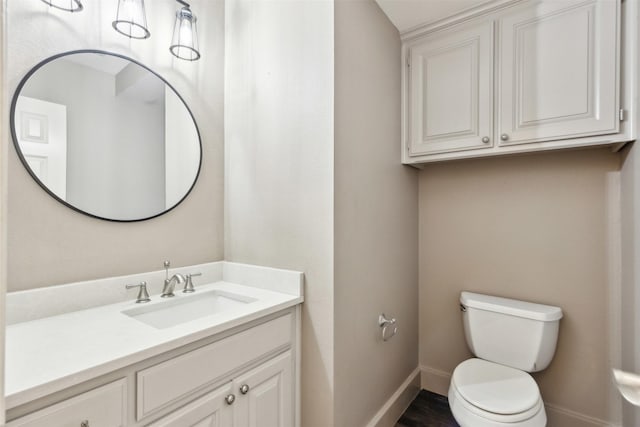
(183, 308)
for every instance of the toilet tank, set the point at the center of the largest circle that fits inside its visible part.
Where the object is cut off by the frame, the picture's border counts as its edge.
(514, 333)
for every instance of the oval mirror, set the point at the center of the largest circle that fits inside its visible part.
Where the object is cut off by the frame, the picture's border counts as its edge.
(105, 135)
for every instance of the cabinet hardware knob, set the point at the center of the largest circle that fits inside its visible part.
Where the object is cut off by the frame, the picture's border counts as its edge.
(85, 423)
(486, 139)
(230, 399)
(504, 137)
(244, 388)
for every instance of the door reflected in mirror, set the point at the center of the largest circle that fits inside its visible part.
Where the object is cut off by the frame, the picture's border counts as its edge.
(106, 136)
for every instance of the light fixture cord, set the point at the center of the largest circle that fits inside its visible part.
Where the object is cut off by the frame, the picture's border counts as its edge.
(184, 3)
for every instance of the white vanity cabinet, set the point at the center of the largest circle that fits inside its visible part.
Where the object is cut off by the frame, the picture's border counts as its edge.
(233, 362)
(242, 378)
(531, 75)
(263, 397)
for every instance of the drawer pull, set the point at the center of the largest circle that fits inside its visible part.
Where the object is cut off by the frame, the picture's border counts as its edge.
(244, 388)
(85, 423)
(230, 399)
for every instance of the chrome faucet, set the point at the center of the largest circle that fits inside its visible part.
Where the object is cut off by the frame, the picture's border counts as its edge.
(170, 282)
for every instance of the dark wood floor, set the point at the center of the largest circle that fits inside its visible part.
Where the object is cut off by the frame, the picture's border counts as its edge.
(428, 410)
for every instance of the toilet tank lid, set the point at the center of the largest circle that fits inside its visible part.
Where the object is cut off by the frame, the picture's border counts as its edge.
(528, 310)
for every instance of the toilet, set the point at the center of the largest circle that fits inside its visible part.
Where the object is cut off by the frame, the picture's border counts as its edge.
(509, 339)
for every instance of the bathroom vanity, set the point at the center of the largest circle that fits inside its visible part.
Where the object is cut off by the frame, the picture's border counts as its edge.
(227, 354)
(93, 354)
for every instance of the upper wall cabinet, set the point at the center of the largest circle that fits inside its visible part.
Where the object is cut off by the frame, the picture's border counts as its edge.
(528, 76)
(451, 91)
(558, 71)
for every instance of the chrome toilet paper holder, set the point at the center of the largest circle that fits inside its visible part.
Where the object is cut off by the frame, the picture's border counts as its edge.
(387, 325)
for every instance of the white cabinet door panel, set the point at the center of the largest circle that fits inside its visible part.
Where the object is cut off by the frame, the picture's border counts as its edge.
(211, 410)
(559, 72)
(269, 399)
(451, 90)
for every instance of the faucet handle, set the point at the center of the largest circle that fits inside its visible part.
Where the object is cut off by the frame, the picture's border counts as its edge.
(143, 295)
(188, 286)
(167, 264)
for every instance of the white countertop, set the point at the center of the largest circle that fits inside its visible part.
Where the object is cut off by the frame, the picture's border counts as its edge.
(47, 355)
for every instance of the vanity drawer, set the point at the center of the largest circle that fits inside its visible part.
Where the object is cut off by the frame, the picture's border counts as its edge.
(168, 381)
(102, 407)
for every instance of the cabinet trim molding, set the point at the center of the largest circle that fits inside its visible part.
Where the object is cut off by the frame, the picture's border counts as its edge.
(459, 18)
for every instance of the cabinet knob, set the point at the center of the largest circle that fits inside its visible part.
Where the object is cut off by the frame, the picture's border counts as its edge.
(486, 139)
(504, 137)
(244, 388)
(230, 399)
(85, 423)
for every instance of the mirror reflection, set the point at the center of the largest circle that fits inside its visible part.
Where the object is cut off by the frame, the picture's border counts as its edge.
(106, 136)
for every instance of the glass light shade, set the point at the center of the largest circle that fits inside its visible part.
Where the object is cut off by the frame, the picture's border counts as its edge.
(68, 5)
(185, 36)
(131, 19)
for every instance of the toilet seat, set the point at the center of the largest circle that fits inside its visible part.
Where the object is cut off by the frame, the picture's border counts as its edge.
(495, 388)
(493, 395)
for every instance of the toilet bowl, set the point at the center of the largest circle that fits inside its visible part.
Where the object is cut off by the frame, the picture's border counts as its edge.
(510, 338)
(486, 394)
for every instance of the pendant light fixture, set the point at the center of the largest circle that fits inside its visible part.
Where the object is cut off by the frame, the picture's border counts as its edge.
(68, 5)
(184, 44)
(131, 19)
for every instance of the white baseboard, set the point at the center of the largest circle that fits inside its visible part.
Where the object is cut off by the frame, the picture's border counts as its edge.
(437, 381)
(562, 417)
(399, 401)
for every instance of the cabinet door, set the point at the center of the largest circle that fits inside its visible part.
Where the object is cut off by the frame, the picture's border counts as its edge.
(267, 397)
(559, 71)
(450, 90)
(211, 410)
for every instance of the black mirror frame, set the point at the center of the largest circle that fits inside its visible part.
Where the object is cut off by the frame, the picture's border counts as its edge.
(42, 185)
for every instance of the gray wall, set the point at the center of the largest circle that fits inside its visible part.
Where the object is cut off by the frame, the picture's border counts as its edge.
(376, 217)
(630, 321)
(48, 243)
(542, 228)
(279, 164)
(288, 207)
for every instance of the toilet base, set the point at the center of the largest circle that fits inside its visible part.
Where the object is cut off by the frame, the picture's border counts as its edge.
(467, 418)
